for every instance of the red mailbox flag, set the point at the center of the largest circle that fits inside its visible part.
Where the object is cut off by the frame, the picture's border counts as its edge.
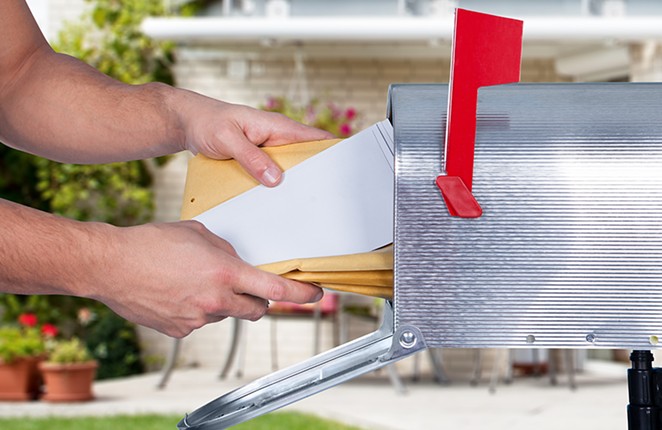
(487, 50)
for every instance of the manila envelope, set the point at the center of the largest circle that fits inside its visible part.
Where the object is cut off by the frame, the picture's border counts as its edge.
(211, 182)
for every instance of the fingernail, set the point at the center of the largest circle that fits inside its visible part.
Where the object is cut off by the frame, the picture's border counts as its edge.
(271, 176)
(319, 296)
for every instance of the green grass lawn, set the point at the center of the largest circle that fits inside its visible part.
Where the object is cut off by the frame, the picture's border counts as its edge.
(273, 421)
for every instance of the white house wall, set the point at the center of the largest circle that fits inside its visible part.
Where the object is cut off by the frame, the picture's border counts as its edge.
(51, 15)
(360, 83)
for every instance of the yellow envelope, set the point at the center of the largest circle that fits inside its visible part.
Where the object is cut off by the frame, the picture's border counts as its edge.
(211, 182)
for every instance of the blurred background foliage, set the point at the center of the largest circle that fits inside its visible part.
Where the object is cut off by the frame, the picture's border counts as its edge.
(329, 116)
(107, 37)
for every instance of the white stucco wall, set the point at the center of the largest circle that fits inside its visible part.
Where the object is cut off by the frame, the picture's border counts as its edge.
(52, 14)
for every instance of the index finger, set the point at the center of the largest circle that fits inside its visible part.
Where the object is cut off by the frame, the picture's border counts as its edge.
(272, 287)
(285, 130)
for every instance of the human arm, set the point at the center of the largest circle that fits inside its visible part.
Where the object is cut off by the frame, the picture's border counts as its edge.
(60, 108)
(173, 277)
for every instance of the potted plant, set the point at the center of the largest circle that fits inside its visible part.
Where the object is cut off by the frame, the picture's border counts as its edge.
(21, 348)
(68, 372)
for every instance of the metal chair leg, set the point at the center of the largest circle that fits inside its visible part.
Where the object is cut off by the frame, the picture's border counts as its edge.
(478, 364)
(570, 366)
(553, 370)
(170, 364)
(241, 353)
(508, 374)
(317, 318)
(537, 364)
(232, 352)
(568, 357)
(395, 379)
(438, 366)
(274, 344)
(502, 358)
(416, 368)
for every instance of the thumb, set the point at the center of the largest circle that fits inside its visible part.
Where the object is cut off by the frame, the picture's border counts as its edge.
(256, 162)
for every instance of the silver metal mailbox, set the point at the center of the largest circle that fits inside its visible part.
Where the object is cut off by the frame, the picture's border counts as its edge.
(567, 253)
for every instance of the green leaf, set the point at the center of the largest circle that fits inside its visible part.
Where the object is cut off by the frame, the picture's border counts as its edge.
(99, 16)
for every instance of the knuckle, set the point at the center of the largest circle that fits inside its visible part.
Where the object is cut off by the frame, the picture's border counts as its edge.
(209, 309)
(278, 292)
(221, 136)
(226, 276)
(200, 315)
(253, 157)
(194, 225)
(198, 226)
(256, 314)
(279, 117)
(227, 246)
(179, 332)
(198, 323)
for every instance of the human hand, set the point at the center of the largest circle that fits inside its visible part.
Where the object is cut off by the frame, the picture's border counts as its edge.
(177, 277)
(222, 130)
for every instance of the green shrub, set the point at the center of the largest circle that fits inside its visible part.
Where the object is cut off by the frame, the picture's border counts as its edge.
(113, 342)
(19, 342)
(69, 352)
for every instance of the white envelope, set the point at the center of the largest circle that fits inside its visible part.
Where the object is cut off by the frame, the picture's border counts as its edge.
(337, 202)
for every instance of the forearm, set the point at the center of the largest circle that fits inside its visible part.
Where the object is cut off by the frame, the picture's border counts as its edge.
(65, 110)
(173, 277)
(45, 254)
(58, 107)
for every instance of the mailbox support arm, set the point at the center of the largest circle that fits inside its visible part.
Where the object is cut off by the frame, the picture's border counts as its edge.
(347, 361)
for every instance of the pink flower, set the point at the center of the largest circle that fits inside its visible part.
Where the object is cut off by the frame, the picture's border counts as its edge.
(49, 330)
(345, 129)
(273, 103)
(85, 316)
(28, 320)
(335, 112)
(350, 114)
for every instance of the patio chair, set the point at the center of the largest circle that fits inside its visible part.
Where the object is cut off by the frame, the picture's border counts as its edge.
(325, 308)
(504, 359)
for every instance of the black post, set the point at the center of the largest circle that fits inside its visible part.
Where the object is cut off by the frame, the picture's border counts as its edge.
(643, 410)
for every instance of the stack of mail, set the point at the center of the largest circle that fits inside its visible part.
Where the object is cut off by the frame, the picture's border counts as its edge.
(329, 222)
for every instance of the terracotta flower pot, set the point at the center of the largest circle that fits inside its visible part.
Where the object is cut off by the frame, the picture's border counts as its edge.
(20, 379)
(68, 382)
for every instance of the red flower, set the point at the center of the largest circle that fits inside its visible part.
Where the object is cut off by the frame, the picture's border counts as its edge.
(49, 330)
(350, 114)
(345, 129)
(28, 320)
